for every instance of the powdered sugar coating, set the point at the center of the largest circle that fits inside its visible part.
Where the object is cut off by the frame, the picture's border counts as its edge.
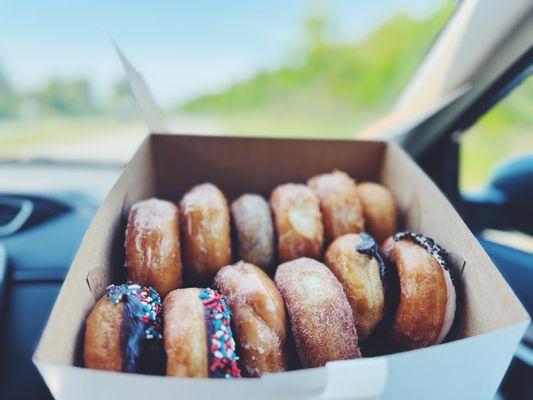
(205, 231)
(255, 231)
(298, 222)
(319, 313)
(341, 208)
(153, 246)
(259, 320)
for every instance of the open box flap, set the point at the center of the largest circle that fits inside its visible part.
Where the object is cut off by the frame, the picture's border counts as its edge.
(151, 112)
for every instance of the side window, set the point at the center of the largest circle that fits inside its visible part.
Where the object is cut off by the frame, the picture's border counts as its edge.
(503, 133)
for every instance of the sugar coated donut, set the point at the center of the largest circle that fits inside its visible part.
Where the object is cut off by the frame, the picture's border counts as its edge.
(379, 210)
(356, 262)
(320, 316)
(255, 233)
(259, 321)
(298, 222)
(205, 232)
(153, 245)
(341, 208)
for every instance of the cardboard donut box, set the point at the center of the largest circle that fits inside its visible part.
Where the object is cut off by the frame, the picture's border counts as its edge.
(490, 320)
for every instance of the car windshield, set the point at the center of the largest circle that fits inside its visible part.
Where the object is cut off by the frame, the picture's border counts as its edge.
(299, 69)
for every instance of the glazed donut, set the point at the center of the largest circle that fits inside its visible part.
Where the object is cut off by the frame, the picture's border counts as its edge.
(320, 316)
(197, 335)
(123, 331)
(258, 319)
(255, 233)
(379, 210)
(426, 307)
(356, 262)
(341, 209)
(153, 245)
(298, 222)
(205, 231)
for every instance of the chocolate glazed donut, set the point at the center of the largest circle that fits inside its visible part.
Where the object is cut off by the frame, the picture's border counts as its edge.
(427, 304)
(198, 339)
(123, 331)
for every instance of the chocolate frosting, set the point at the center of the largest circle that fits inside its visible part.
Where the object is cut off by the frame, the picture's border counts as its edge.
(222, 359)
(436, 251)
(370, 248)
(139, 354)
(391, 291)
(140, 332)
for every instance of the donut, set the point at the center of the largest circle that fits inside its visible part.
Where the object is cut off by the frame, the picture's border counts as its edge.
(123, 331)
(205, 232)
(153, 245)
(298, 222)
(198, 340)
(320, 316)
(259, 321)
(379, 210)
(341, 209)
(255, 233)
(356, 262)
(427, 303)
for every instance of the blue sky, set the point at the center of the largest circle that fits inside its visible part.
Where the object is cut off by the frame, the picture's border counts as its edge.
(182, 48)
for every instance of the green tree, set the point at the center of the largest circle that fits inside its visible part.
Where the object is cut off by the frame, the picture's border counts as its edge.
(8, 97)
(364, 77)
(67, 97)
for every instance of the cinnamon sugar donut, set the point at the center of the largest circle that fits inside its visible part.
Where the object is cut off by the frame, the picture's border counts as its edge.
(426, 310)
(255, 233)
(197, 335)
(355, 261)
(379, 210)
(298, 222)
(258, 319)
(205, 231)
(123, 331)
(153, 245)
(320, 316)
(341, 209)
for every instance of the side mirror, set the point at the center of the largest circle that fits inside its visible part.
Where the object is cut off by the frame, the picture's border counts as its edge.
(507, 200)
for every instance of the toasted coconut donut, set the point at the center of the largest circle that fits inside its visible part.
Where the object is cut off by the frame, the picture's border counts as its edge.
(353, 260)
(123, 331)
(205, 231)
(426, 310)
(153, 245)
(298, 222)
(259, 321)
(341, 209)
(379, 210)
(253, 222)
(197, 335)
(320, 316)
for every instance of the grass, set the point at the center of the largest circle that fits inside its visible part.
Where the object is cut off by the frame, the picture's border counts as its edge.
(18, 136)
